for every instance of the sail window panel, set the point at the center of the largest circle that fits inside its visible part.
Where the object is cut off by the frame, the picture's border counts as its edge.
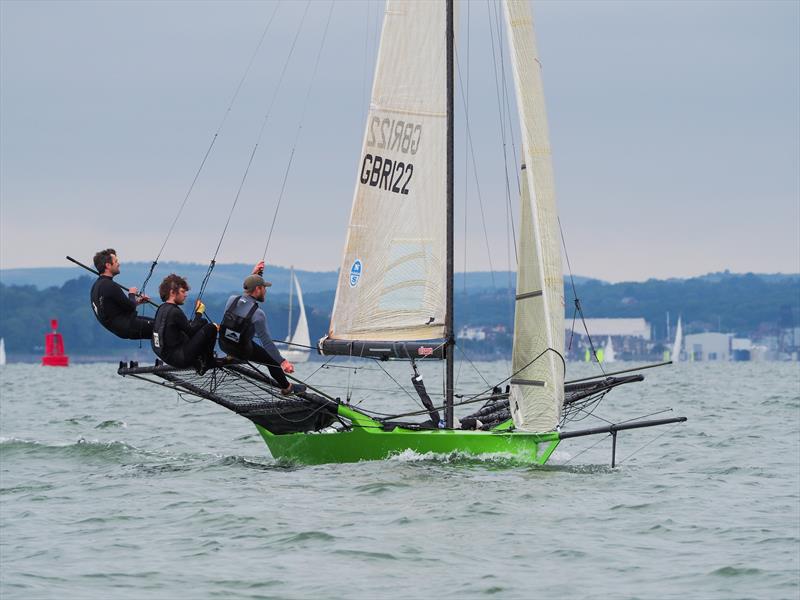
(406, 296)
(404, 283)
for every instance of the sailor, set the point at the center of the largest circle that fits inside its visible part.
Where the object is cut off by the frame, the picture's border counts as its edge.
(244, 319)
(115, 309)
(177, 341)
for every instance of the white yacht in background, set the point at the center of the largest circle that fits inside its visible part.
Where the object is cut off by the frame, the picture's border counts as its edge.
(300, 352)
(609, 356)
(675, 356)
(2, 351)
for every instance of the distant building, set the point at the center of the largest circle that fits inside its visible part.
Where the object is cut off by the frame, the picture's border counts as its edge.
(472, 333)
(741, 349)
(708, 346)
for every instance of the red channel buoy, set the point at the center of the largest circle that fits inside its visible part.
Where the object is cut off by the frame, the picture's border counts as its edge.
(54, 348)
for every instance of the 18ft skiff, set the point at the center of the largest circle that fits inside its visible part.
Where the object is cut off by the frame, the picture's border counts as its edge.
(394, 299)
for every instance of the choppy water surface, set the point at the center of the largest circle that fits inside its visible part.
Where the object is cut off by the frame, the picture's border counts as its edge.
(115, 488)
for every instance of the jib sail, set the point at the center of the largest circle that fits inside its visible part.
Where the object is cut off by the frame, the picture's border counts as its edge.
(537, 388)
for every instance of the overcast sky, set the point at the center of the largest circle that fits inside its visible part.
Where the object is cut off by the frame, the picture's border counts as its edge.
(675, 130)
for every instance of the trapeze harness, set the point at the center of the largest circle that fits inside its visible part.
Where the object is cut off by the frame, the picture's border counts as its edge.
(158, 341)
(236, 331)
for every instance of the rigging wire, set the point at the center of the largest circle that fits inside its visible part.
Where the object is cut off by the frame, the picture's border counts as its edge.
(349, 367)
(587, 406)
(652, 414)
(590, 413)
(253, 153)
(211, 145)
(502, 110)
(466, 174)
(645, 445)
(366, 60)
(480, 395)
(466, 156)
(578, 308)
(299, 128)
(471, 149)
(473, 365)
(322, 366)
(505, 87)
(586, 449)
(416, 400)
(501, 116)
(515, 169)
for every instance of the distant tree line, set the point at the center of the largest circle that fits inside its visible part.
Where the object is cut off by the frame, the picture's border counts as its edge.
(25, 315)
(746, 305)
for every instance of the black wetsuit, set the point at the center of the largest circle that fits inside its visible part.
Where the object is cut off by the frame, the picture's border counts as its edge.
(179, 342)
(116, 311)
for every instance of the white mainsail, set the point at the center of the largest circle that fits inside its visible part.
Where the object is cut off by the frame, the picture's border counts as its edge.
(678, 343)
(537, 388)
(300, 336)
(2, 351)
(609, 356)
(392, 282)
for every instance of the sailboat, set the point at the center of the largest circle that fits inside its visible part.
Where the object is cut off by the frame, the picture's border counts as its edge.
(2, 352)
(677, 345)
(299, 342)
(609, 356)
(394, 298)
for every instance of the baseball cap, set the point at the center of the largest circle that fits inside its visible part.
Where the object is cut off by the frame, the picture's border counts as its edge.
(251, 282)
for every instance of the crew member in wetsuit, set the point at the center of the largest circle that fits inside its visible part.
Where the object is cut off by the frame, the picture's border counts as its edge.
(177, 341)
(115, 309)
(244, 319)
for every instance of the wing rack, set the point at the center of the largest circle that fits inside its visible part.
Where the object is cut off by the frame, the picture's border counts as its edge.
(245, 391)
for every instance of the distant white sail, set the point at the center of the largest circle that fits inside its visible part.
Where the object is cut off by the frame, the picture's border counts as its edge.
(392, 281)
(537, 387)
(609, 355)
(300, 336)
(678, 343)
(2, 351)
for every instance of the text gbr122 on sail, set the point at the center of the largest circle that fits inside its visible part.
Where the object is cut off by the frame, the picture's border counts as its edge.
(395, 136)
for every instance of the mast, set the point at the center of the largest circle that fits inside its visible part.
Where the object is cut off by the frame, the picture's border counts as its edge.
(451, 340)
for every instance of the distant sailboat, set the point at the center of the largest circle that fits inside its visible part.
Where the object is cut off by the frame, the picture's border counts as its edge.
(2, 351)
(298, 353)
(609, 355)
(676, 346)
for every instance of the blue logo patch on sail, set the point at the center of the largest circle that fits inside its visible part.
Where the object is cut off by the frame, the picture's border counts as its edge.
(355, 273)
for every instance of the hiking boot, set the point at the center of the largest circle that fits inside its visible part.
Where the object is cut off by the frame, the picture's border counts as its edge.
(294, 388)
(201, 366)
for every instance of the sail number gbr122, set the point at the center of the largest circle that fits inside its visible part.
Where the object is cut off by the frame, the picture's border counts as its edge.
(395, 136)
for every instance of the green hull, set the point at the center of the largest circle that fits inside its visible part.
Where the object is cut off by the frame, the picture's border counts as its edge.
(361, 443)
(367, 440)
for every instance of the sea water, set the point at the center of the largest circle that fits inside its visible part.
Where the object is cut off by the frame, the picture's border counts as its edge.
(115, 488)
